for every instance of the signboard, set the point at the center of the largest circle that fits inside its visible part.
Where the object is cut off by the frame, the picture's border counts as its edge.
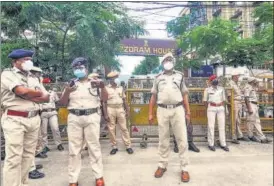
(143, 47)
(204, 71)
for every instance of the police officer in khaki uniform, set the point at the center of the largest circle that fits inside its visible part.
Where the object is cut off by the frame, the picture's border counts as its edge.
(34, 170)
(39, 153)
(253, 119)
(171, 94)
(238, 99)
(21, 94)
(49, 116)
(116, 109)
(214, 99)
(83, 102)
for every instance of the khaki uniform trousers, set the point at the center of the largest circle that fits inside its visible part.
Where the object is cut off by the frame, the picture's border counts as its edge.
(21, 135)
(212, 112)
(33, 166)
(51, 119)
(39, 146)
(176, 118)
(253, 121)
(118, 114)
(237, 133)
(82, 128)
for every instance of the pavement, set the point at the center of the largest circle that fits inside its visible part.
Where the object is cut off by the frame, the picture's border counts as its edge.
(247, 164)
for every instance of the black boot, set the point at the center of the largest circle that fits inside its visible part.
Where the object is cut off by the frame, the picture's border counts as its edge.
(60, 147)
(35, 174)
(192, 146)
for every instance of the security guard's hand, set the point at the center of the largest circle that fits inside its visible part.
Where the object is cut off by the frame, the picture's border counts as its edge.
(97, 83)
(107, 118)
(69, 89)
(150, 119)
(188, 117)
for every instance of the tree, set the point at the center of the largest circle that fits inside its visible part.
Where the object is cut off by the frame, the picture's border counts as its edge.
(259, 49)
(63, 31)
(202, 42)
(146, 65)
(219, 38)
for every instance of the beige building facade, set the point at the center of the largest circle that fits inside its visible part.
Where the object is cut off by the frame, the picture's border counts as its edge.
(241, 12)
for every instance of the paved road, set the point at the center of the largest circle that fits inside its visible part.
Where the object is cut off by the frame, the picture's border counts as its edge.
(248, 164)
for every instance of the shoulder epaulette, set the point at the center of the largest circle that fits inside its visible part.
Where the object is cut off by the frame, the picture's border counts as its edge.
(158, 75)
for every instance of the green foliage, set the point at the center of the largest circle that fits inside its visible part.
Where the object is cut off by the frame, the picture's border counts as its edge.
(178, 26)
(7, 47)
(147, 65)
(63, 31)
(245, 52)
(219, 37)
(264, 13)
(256, 50)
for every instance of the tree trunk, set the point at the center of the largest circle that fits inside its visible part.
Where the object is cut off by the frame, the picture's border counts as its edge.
(63, 50)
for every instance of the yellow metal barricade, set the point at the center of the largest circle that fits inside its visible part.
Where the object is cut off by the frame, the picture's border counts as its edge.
(139, 113)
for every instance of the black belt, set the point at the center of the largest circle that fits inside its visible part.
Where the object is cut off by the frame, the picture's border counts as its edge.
(170, 106)
(48, 110)
(254, 102)
(79, 112)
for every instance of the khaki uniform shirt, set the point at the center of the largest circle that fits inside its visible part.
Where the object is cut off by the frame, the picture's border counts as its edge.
(168, 88)
(250, 93)
(115, 95)
(238, 95)
(84, 97)
(214, 95)
(10, 78)
(51, 104)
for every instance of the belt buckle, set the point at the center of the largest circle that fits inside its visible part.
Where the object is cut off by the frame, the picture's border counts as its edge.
(31, 114)
(170, 106)
(88, 112)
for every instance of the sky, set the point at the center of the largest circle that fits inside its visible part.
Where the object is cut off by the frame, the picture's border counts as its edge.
(153, 22)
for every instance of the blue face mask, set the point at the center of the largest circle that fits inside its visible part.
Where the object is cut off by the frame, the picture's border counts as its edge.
(80, 73)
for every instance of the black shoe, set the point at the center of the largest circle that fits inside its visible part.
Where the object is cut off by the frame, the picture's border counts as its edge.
(192, 146)
(46, 149)
(254, 139)
(225, 148)
(113, 151)
(176, 150)
(36, 174)
(41, 155)
(235, 141)
(60, 147)
(39, 166)
(266, 140)
(129, 151)
(212, 148)
(243, 139)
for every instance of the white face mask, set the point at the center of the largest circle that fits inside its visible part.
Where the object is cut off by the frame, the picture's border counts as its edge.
(117, 81)
(168, 65)
(27, 65)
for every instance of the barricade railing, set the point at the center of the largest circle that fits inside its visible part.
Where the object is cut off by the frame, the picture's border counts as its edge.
(138, 100)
